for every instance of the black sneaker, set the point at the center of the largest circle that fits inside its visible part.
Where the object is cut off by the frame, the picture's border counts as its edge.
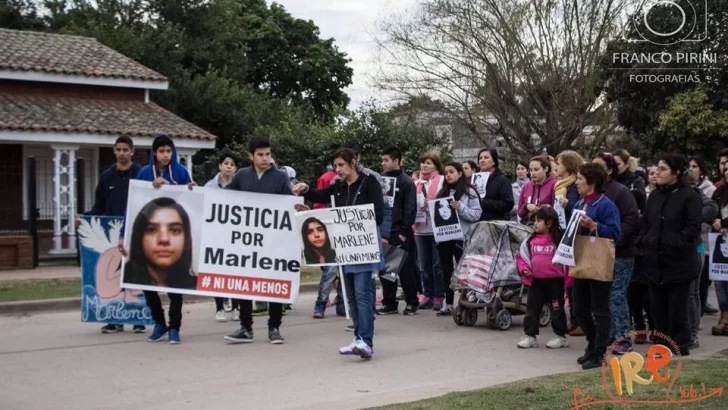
(384, 310)
(350, 328)
(587, 355)
(274, 336)
(242, 335)
(593, 362)
(112, 328)
(139, 329)
(409, 310)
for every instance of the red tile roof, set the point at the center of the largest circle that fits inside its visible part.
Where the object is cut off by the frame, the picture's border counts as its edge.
(72, 55)
(92, 116)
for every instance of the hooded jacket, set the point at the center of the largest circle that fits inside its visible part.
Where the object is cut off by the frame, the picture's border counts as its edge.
(538, 194)
(175, 173)
(536, 254)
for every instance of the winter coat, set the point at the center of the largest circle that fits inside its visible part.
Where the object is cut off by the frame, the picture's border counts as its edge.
(498, 200)
(629, 216)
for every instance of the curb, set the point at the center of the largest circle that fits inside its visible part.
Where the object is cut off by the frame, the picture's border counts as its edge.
(68, 304)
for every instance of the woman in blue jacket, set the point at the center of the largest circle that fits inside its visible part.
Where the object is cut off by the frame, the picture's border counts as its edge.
(591, 297)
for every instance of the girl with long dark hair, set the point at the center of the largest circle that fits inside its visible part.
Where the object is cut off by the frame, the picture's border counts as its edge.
(466, 203)
(317, 248)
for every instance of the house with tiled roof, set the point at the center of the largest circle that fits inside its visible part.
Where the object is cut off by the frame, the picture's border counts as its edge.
(63, 102)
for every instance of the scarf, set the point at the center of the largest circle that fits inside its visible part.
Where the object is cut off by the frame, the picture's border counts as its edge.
(563, 185)
(432, 180)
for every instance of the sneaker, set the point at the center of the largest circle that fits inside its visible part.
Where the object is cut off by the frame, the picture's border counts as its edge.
(587, 354)
(557, 343)
(696, 344)
(400, 296)
(384, 310)
(362, 350)
(139, 329)
(112, 328)
(446, 310)
(409, 310)
(349, 349)
(235, 315)
(576, 332)
(174, 337)
(158, 333)
(287, 307)
(425, 303)
(318, 315)
(274, 336)
(242, 335)
(593, 362)
(640, 339)
(527, 342)
(437, 304)
(220, 316)
(622, 348)
(350, 328)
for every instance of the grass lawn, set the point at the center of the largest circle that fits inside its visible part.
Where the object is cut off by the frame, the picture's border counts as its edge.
(39, 289)
(68, 288)
(555, 392)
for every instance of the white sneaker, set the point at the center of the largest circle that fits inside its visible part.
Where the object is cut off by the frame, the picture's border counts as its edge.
(527, 342)
(363, 350)
(557, 343)
(221, 316)
(348, 350)
(235, 315)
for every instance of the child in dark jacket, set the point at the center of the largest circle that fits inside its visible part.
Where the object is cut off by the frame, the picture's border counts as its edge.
(547, 280)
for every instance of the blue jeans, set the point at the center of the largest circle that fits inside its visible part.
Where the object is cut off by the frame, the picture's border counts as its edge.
(359, 294)
(721, 291)
(429, 261)
(623, 268)
(328, 274)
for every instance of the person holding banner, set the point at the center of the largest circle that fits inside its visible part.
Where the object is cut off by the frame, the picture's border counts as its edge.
(498, 200)
(670, 233)
(261, 178)
(111, 197)
(227, 166)
(467, 206)
(163, 168)
(354, 188)
(592, 296)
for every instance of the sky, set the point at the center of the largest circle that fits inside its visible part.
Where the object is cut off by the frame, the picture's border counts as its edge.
(353, 24)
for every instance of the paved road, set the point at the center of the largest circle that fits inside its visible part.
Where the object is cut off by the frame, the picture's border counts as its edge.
(52, 361)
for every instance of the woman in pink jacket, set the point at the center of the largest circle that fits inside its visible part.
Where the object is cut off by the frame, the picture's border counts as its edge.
(546, 280)
(537, 193)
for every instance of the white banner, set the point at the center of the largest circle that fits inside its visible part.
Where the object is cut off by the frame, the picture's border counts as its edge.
(480, 182)
(445, 221)
(565, 252)
(421, 214)
(718, 257)
(339, 236)
(211, 242)
(560, 211)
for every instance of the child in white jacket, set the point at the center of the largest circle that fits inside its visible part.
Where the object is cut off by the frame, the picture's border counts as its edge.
(466, 204)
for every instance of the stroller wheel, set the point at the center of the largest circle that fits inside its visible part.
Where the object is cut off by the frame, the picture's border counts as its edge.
(503, 319)
(470, 317)
(458, 315)
(545, 318)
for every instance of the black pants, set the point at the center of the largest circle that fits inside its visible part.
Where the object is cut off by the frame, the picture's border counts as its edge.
(275, 314)
(542, 291)
(220, 304)
(639, 306)
(669, 308)
(175, 309)
(572, 308)
(704, 283)
(407, 276)
(592, 311)
(447, 251)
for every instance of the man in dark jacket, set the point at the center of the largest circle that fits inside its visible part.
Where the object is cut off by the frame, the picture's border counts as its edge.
(401, 235)
(498, 201)
(112, 193)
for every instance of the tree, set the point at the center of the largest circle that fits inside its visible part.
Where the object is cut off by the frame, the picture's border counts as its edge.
(651, 111)
(526, 71)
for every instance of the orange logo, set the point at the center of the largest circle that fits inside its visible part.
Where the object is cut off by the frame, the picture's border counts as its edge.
(632, 370)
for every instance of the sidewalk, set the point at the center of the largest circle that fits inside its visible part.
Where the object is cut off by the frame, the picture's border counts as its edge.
(42, 272)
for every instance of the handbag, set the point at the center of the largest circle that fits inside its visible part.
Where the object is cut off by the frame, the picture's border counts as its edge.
(594, 258)
(394, 260)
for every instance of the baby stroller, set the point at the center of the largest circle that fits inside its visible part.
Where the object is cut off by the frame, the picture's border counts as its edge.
(487, 277)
